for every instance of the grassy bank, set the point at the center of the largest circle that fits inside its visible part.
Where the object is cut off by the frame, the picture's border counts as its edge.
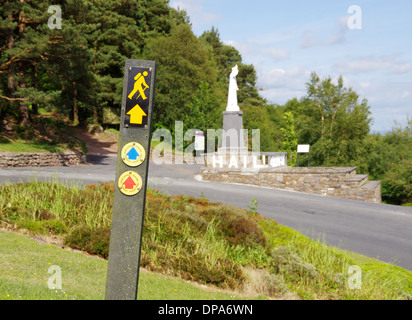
(204, 242)
(25, 264)
(47, 133)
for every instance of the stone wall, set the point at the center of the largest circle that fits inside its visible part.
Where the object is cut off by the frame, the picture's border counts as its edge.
(46, 159)
(340, 182)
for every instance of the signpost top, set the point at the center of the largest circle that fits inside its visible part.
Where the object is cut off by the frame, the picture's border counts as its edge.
(138, 93)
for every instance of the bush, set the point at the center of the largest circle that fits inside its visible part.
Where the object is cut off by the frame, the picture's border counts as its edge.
(237, 226)
(95, 241)
(397, 183)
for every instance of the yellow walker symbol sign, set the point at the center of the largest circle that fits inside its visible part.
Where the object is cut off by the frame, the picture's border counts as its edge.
(138, 86)
(138, 97)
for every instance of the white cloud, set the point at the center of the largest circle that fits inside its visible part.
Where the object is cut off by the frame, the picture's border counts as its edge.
(280, 85)
(389, 101)
(401, 68)
(366, 64)
(405, 94)
(276, 53)
(365, 84)
(256, 50)
(310, 39)
(339, 36)
(195, 9)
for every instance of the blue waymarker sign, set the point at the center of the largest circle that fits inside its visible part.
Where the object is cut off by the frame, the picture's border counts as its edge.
(133, 154)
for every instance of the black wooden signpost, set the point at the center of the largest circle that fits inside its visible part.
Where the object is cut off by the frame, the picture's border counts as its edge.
(131, 180)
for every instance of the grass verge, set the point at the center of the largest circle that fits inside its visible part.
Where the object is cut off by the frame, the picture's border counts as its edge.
(47, 133)
(25, 264)
(204, 242)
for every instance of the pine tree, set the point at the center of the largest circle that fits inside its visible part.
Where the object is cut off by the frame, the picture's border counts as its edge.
(21, 55)
(25, 57)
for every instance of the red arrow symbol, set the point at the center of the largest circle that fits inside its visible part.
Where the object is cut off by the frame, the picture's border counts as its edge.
(129, 184)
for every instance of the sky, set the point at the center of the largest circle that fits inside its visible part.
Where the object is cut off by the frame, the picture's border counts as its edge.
(368, 42)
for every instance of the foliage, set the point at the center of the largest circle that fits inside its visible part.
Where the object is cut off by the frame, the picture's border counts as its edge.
(78, 68)
(331, 119)
(93, 241)
(201, 112)
(290, 142)
(389, 158)
(253, 206)
(184, 62)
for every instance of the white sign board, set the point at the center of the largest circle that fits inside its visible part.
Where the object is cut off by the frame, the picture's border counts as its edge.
(199, 142)
(277, 161)
(303, 148)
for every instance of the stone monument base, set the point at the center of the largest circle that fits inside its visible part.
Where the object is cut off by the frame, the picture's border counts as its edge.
(233, 131)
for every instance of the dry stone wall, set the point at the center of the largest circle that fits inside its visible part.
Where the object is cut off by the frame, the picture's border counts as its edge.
(340, 182)
(41, 159)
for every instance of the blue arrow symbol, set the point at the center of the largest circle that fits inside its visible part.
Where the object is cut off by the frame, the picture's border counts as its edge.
(132, 154)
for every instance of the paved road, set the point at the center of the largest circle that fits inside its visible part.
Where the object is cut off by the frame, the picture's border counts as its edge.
(376, 230)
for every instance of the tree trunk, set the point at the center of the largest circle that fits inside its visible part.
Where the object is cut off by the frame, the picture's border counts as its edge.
(35, 106)
(75, 106)
(95, 115)
(11, 83)
(95, 111)
(23, 111)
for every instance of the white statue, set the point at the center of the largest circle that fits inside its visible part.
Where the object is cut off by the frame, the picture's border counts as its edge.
(233, 88)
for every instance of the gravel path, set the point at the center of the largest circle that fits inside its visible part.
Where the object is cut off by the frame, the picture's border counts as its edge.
(99, 143)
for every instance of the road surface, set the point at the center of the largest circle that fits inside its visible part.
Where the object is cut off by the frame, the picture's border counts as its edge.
(375, 230)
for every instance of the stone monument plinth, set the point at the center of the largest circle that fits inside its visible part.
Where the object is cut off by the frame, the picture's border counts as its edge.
(233, 140)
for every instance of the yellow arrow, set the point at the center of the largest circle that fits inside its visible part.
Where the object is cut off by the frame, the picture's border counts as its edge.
(136, 115)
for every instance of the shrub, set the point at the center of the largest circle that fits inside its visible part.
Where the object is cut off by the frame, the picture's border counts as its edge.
(237, 226)
(95, 241)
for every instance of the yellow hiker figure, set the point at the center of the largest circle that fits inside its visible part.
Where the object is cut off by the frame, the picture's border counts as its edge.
(138, 86)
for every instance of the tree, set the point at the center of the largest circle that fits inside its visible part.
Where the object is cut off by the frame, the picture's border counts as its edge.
(202, 112)
(122, 35)
(184, 62)
(225, 56)
(21, 53)
(80, 67)
(332, 120)
(388, 158)
(289, 141)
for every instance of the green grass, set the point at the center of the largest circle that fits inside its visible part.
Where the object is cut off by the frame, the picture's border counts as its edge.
(25, 262)
(24, 265)
(207, 243)
(316, 270)
(24, 146)
(47, 133)
(112, 130)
